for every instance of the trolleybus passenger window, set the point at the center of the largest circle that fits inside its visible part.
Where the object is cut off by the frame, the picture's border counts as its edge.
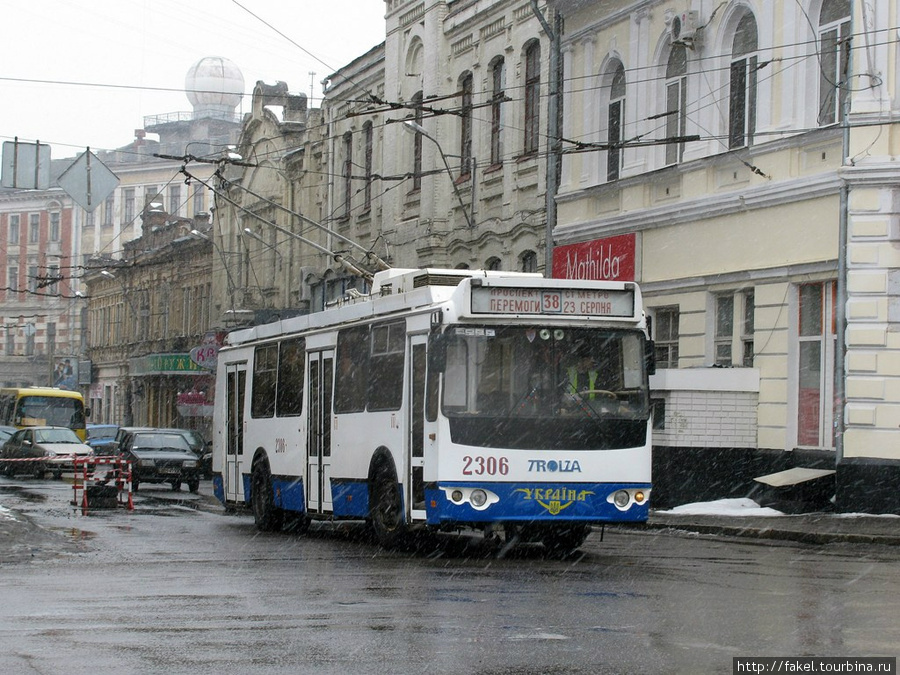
(386, 366)
(265, 371)
(290, 377)
(352, 370)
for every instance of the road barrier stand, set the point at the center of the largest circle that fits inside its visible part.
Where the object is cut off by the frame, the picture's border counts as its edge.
(54, 464)
(104, 482)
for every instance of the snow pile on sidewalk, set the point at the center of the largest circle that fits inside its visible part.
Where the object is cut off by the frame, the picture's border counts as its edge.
(723, 507)
(6, 514)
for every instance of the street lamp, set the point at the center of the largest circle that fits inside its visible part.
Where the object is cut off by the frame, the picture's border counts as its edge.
(127, 298)
(413, 127)
(250, 233)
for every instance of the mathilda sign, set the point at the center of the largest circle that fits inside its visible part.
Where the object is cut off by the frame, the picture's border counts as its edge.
(610, 259)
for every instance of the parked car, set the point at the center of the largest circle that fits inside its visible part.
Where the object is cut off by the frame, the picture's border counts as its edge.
(102, 438)
(158, 456)
(50, 448)
(201, 447)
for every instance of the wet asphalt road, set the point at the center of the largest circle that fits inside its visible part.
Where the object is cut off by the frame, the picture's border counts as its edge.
(179, 586)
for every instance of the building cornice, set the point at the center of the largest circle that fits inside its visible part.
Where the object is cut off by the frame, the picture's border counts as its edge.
(710, 206)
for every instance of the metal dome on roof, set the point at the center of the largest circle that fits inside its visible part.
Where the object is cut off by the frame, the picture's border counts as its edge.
(214, 86)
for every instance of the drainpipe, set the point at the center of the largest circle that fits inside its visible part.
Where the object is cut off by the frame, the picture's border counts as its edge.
(840, 313)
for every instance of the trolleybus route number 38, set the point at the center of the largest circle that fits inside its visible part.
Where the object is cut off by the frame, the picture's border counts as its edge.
(568, 303)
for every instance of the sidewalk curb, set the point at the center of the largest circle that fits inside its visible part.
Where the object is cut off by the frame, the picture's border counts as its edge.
(755, 532)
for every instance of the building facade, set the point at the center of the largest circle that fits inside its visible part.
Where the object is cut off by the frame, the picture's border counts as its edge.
(149, 310)
(40, 301)
(428, 151)
(742, 156)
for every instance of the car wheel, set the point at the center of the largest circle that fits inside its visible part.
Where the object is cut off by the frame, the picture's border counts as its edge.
(193, 485)
(134, 483)
(40, 472)
(176, 485)
(266, 515)
(386, 507)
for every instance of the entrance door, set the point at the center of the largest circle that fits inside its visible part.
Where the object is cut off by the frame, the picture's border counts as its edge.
(416, 443)
(235, 391)
(321, 389)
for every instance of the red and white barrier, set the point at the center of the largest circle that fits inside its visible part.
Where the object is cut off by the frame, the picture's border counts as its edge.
(87, 475)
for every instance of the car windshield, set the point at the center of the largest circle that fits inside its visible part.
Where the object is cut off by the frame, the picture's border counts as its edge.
(95, 433)
(160, 441)
(55, 436)
(52, 410)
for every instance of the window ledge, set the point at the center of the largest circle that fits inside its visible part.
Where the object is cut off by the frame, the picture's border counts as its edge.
(705, 379)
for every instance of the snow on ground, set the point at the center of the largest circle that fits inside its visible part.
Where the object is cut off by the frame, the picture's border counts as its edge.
(724, 507)
(6, 514)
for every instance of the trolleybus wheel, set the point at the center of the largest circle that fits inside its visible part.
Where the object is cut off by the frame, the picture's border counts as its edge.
(262, 498)
(565, 539)
(386, 506)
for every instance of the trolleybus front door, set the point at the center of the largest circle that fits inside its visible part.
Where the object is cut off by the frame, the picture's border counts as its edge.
(418, 426)
(321, 383)
(236, 387)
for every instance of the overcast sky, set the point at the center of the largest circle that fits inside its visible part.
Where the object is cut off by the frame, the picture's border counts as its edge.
(79, 73)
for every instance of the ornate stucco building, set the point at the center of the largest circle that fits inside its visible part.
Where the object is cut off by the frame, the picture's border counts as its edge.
(743, 155)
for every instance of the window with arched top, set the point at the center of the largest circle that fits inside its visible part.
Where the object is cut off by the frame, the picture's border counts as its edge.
(417, 143)
(493, 263)
(532, 98)
(498, 94)
(466, 88)
(347, 172)
(834, 59)
(676, 100)
(368, 141)
(528, 261)
(615, 123)
(742, 95)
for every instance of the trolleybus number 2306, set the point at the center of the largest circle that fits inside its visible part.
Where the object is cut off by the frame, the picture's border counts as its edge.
(444, 399)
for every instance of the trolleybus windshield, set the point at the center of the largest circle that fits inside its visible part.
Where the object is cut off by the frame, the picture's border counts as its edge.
(546, 387)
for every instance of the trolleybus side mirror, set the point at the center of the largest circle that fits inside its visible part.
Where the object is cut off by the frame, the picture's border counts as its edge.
(650, 348)
(650, 356)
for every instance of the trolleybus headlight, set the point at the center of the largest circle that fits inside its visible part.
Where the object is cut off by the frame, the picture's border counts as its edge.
(621, 499)
(456, 496)
(478, 498)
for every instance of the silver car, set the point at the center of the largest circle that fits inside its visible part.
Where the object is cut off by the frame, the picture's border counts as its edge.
(37, 450)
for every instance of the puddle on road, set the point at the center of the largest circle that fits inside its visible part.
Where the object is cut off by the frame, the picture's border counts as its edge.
(74, 534)
(24, 494)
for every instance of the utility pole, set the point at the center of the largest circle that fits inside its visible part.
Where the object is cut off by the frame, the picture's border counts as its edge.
(554, 138)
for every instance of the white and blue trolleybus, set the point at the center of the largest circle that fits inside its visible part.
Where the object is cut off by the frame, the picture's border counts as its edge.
(444, 399)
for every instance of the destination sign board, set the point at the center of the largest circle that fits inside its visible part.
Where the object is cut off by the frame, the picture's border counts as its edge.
(559, 302)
